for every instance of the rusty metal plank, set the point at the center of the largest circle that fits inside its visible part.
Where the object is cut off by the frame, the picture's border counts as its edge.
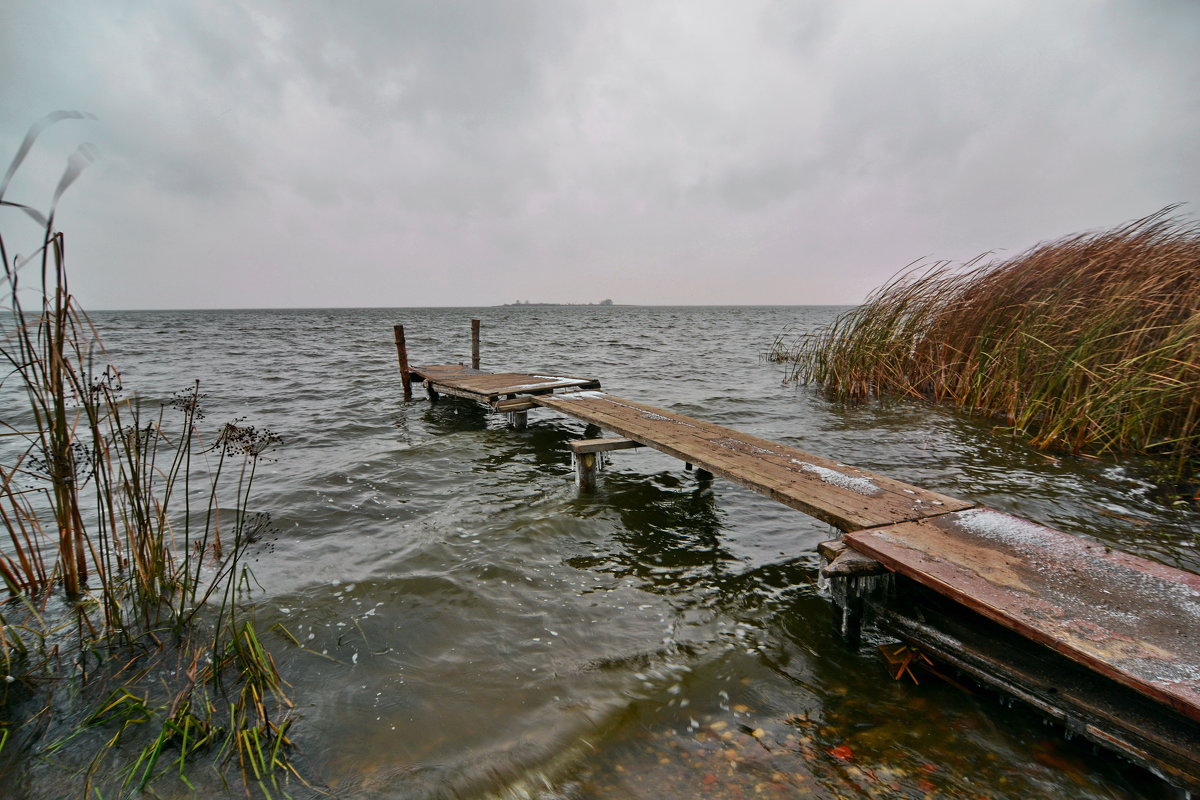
(1134, 620)
(841, 495)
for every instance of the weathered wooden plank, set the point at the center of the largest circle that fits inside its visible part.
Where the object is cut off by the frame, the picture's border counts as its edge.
(601, 445)
(844, 496)
(513, 383)
(1133, 620)
(511, 404)
(849, 563)
(1082, 700)
(831, 549)
(746, 461)
(483, 386)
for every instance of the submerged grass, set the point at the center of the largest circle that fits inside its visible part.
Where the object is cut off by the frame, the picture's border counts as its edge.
(125, 655)
(1089, 344)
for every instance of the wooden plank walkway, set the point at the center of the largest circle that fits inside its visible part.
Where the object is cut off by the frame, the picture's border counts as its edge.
(845, 497)
(1133, 620)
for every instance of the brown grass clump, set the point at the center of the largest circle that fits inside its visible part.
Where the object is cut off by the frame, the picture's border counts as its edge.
(126, 654)
(1090, 343)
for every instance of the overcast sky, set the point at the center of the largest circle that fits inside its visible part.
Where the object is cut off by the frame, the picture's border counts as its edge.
(354, 153)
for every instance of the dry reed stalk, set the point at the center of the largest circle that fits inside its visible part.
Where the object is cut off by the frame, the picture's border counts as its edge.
(1090, 343)
(86, 487)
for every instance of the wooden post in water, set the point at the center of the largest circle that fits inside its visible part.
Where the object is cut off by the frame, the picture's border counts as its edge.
(402, 354)
(585, 471)
(519, 418)
(586, 452)
(474, 344)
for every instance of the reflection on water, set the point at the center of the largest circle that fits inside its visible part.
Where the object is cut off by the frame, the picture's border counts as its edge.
(470, 626)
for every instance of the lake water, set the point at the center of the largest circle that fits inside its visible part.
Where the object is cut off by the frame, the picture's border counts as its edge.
(472, 626)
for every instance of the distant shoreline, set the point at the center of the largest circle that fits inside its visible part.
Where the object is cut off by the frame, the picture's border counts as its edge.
(291, 309)
(527, 303)
(566, 305)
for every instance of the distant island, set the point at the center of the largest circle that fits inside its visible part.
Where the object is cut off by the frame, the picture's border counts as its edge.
(527, 303)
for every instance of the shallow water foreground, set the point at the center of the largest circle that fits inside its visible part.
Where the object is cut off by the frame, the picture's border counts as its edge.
(471, 626)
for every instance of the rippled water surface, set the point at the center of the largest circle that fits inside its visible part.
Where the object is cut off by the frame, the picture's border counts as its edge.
(473, 627)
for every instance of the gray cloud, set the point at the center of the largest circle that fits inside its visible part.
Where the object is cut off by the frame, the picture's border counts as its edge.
(297, 154)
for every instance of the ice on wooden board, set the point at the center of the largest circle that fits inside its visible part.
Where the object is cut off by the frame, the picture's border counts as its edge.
(863, 486)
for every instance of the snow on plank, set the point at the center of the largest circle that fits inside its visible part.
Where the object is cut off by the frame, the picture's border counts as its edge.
(1134, 620)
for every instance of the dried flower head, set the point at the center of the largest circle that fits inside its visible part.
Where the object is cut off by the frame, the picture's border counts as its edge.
(247, 440)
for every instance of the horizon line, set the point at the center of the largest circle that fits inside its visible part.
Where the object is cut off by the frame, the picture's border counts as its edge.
(502, 305)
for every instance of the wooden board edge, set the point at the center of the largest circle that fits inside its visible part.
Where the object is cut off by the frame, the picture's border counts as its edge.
(859, 541)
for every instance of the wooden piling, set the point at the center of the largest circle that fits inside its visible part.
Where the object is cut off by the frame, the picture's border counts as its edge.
(474, 344)
(585, 471)
(402, 354)
(586, 463)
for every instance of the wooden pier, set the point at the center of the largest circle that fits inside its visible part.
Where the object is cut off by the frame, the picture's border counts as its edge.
(1106, 643)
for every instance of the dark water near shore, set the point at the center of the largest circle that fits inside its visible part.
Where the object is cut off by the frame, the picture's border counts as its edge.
(473, 627)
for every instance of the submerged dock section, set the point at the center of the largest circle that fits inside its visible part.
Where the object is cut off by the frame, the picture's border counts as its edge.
(1106, 643)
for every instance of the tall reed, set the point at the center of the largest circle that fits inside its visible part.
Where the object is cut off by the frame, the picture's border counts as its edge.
(122, 554)
(1090, 343)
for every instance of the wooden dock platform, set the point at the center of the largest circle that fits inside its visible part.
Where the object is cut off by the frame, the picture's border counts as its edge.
(1118, 620)
(846, 497)
(490, 387)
